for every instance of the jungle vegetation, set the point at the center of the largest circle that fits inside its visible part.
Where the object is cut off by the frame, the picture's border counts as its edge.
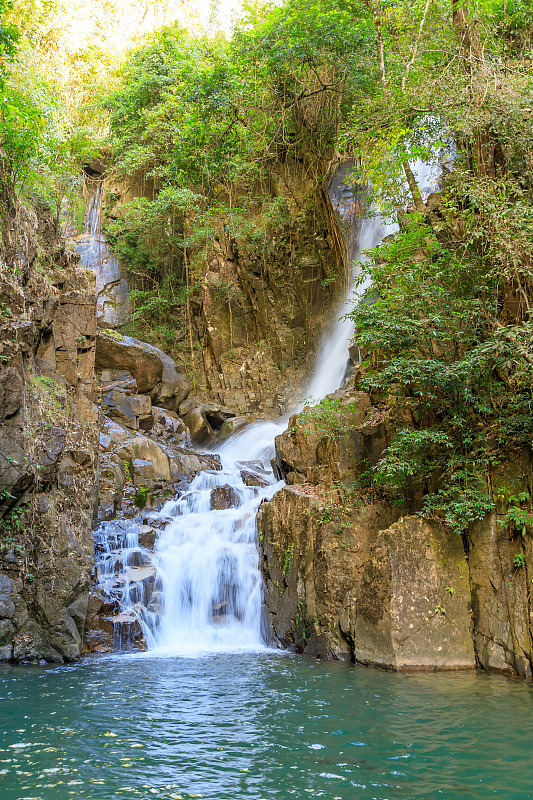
(198, 121)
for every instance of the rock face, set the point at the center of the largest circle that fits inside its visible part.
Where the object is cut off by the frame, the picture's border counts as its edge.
(140, 471)
(263, 301)
(412, 608)
(501, 598)
(48, 447)
(349, 578)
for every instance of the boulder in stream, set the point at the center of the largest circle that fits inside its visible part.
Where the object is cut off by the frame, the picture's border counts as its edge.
(204, 420)
(223, 497)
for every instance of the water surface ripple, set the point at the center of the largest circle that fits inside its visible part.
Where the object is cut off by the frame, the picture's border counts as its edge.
(261, 725)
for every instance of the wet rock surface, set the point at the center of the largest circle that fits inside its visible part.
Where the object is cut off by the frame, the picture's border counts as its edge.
(223, 497)
(204, 420)
(141, 471)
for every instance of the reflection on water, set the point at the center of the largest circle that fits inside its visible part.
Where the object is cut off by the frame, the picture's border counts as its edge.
(260, 726)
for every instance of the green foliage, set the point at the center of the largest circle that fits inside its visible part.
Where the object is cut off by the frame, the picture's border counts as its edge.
(15, 531)
(142, 496)
(412, 452)
(458, 505)
(41, 152)
(519, 518)
(5, 311)
(9, 38)
(327, 418)
(519, 560)
(437, 352)
(205, 110)
(288, 559)
(201, 120)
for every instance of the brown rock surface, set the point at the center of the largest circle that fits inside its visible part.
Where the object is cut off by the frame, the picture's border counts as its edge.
(48, 444)
(223, 497)
(125, 353)
(501, 598)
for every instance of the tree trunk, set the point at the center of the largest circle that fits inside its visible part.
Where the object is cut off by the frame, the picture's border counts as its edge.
(373, 7)
(413, 186)
(467, 34)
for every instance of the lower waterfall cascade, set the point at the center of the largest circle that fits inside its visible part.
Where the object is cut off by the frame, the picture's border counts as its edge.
(200, 590)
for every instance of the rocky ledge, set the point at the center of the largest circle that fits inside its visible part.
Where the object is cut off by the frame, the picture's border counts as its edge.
(348, 577)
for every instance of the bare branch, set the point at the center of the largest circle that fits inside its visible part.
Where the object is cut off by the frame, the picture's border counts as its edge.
(374, 8)
(417, 42)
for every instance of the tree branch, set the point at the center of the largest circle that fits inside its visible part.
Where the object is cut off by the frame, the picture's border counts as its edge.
(413, 186)
(417, 42)
(373, 7)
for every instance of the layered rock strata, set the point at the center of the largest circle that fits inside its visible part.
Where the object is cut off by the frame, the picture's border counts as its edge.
(48, 446)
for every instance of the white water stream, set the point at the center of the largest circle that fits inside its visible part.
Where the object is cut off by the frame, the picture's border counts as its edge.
(201, 589)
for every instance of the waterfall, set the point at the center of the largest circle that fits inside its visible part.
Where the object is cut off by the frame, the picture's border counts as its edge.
(200, 590)
(112, 290)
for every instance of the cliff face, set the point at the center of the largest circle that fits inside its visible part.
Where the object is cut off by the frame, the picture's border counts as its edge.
(259, 317)
(352, 578)
(48, 443)
(262, 299)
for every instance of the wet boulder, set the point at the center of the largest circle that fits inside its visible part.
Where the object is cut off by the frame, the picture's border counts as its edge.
(144, 473)
(112, 434)
(163, 463)
(147, 537)
(223, 497)
(253, 473)
(250, 478)
(204, 420)
(234, 424)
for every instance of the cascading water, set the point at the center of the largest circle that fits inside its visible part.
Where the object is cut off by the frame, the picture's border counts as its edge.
(200, 590)
(112, 290)
(207, 566)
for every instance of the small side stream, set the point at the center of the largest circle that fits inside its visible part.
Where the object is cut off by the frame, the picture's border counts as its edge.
(112, 287)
